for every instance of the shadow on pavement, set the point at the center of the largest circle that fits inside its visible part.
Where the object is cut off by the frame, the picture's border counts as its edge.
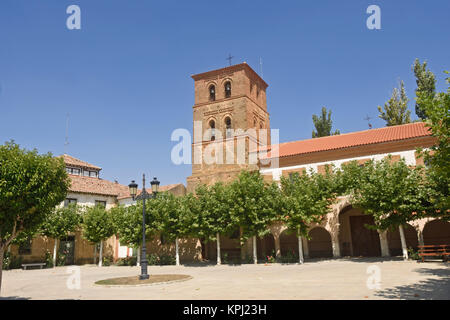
(14, 298)
(429, 289)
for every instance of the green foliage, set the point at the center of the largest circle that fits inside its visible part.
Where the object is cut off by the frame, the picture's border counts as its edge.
(97, 224)
(213, 212)
(437, 109)
(396, 109)
(11, 262)
(323, 124)
(391, 192)
(290, 257)
(413, 254)
(127, 222)
(253, 207)
(307, 198)
(31, 185)
(160, 260)
(48, 258)
(107, 261)
(61, 222)
(128, 261)
(426, 86)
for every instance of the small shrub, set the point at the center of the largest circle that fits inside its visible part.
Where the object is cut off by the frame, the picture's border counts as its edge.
(166, 259)
(225, 258)
(152, 259)
(107, 261)
(11, 262)
(48, 259)
(413, 254)
(290, 257)
(61, 259)
(128, 261)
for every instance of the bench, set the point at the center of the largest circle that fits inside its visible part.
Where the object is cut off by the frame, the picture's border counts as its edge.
(442, 250)
(26, 265)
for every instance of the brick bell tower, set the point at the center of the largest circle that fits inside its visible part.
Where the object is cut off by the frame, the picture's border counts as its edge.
(230, 120)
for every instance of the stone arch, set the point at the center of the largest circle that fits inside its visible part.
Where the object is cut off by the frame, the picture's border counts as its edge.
(289, 243)
(266, 246)
(436, 232)
(394, 242)
(354, 238)
(319, 244)
(212, 91)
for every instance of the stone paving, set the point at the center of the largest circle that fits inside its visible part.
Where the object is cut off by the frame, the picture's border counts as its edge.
(328, 279)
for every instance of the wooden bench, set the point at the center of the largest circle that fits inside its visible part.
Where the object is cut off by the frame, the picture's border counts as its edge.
(26, 265)
(442, 250)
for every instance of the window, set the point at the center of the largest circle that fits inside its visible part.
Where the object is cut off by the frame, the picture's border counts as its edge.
(228, 127)
(74, 171)
(86, 173)
(69, 201)
(227, 89)
(25, 247)
(212, 126)
(93, 174)
(100, 203)
(212, 93)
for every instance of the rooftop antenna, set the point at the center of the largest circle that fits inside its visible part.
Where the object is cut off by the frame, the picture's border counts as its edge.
(367, 118)
(66, 143)
(261, 67)
(229, 58)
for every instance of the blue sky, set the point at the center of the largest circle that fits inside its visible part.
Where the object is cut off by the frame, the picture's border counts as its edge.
(124, 78)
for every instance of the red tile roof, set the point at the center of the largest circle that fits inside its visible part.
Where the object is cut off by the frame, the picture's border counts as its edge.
(98, 186)
(72, 161)
(353, 139)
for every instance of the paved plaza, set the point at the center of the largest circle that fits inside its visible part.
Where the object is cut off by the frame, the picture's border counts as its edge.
(327, 279)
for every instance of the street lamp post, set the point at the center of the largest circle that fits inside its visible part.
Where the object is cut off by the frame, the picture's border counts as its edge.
(143, 196)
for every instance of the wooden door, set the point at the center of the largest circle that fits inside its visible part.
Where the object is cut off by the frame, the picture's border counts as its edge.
(365, 242)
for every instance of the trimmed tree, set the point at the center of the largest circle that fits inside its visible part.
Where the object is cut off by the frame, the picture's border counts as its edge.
(60, 223)
(31, 185)
(393, 193)
(307, 200)
(174, 219)
(215, 213)
(252, 207)
(396, 108)
(97, 226)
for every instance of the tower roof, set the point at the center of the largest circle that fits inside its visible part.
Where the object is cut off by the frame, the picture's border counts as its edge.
(233, 68)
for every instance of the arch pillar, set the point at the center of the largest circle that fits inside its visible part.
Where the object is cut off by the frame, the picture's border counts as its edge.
(335, 245)
(276, 229)
(384, 243)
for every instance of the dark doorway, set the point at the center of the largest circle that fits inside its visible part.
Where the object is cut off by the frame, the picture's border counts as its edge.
(67, 248)
(365, 242)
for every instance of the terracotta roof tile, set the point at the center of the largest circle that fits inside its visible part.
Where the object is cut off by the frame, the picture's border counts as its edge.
(353, 139)
(72, 161)
(98, 186)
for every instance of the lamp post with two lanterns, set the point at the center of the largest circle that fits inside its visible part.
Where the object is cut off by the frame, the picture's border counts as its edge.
(144, 195)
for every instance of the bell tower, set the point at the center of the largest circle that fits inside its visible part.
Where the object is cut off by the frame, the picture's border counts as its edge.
(230, 121)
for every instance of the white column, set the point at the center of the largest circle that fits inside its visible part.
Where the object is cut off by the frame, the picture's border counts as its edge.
(255, 257)
(384, 243)
(300, 250)
(219, 260)
(177, 252)
(54, 253)
(403, 239)
(100, 260)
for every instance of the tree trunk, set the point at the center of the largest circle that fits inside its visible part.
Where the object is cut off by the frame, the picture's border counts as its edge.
(100, 260)
(402, 238)
(1, 266)
(138, 257)
(255, 256)
(177, 252)
(54, 253)
(219, 260)
(300, 249)
(277, 247)
(95, 253)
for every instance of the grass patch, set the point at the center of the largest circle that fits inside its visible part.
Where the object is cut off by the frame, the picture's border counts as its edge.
(133, 281)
